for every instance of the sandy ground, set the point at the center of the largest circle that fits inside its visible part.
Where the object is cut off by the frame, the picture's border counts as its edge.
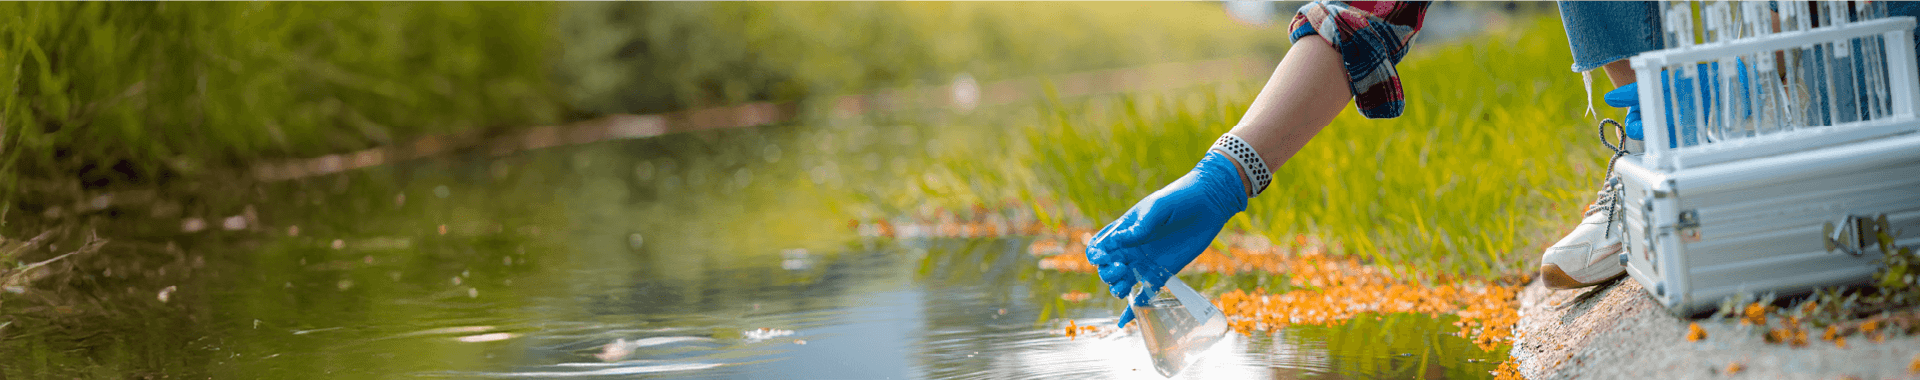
(1617, 330)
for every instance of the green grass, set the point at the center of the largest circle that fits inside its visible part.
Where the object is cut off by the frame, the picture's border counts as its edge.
(1491, 160)
(174, 88)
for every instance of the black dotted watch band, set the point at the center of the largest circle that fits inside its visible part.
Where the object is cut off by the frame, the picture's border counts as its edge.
(1252, 168)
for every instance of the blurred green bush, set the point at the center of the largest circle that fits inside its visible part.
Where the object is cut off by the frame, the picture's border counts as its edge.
(654, 57)
(121, 92)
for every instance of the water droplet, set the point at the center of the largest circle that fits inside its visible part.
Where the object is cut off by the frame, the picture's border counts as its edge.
(166, 294)
(234, 223)
(191, 225)
(442, 191)
(473, 293)
(339, 244)
(635, 241)
(965, 92)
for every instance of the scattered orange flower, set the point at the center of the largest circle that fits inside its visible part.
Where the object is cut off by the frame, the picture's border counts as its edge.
(1074, 330)
(1755, 314)
(1734, 368)
(1695, 333)
(1779, 335)
(1328, 289)
(1509, 370)
(1075, 296)
(1338, 289)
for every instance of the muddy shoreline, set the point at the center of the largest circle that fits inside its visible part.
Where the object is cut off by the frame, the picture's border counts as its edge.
(1617, 330)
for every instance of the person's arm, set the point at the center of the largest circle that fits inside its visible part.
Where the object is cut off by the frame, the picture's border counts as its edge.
(1306, 91)
(1168, 229)
(1165, 231)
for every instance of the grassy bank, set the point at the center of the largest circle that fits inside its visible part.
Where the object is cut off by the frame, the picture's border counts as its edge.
(111, 92)
(1491, 161)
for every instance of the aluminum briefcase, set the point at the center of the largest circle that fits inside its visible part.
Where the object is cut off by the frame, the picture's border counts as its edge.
(1785, 151)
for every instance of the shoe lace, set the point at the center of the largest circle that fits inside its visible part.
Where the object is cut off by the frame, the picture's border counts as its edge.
(1610, 190)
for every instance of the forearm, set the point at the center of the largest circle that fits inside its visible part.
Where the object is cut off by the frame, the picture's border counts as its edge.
(1306, 91)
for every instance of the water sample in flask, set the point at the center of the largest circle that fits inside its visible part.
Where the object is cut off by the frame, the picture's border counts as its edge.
(1178, 325)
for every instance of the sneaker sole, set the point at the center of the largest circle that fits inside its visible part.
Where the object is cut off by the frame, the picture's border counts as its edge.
(1558, 279)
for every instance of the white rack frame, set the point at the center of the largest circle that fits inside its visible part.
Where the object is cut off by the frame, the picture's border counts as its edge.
(1901, 75)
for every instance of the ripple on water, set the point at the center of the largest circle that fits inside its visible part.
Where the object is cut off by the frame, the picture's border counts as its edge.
(592, 350)
(1027, 353)
(618, 370)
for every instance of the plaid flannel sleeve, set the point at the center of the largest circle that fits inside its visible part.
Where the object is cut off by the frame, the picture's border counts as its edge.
(1372, 37)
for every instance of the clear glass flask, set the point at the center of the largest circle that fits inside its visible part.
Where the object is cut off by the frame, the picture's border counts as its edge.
(1178, 325)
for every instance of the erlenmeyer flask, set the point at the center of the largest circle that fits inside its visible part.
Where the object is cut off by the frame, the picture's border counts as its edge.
(1178, 324)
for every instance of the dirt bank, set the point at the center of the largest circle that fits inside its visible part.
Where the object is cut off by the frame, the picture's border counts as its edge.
(1618, 331)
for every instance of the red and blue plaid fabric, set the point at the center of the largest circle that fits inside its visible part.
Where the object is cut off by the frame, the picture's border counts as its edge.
(1371, 36)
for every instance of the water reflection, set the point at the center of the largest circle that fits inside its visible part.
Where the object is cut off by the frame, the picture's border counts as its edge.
(720, 255)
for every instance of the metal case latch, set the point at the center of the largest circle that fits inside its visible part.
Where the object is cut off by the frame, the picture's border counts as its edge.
(1852, 234)
(1689, 225)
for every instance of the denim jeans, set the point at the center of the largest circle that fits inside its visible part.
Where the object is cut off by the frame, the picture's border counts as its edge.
(1600, 32)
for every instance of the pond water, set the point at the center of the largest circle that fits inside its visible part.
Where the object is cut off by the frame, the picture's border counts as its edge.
(724, 254)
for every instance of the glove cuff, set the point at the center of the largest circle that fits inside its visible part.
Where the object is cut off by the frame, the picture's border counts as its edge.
(1252, 168)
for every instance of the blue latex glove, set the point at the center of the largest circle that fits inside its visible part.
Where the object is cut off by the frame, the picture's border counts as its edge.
(1164, 232)
(1628, 97)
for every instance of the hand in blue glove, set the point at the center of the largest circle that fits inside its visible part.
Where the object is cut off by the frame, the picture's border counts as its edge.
(1165, 231)
(1628, 97)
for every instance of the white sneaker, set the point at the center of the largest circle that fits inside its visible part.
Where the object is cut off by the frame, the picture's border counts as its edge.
(1590, 255)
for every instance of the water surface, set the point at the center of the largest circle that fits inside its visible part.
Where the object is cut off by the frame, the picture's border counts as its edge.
(730, 254)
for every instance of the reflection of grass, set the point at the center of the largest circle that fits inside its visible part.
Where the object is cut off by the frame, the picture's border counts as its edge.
(1489, 161)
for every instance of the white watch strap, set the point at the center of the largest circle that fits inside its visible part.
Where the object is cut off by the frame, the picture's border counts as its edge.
(1252, 168)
